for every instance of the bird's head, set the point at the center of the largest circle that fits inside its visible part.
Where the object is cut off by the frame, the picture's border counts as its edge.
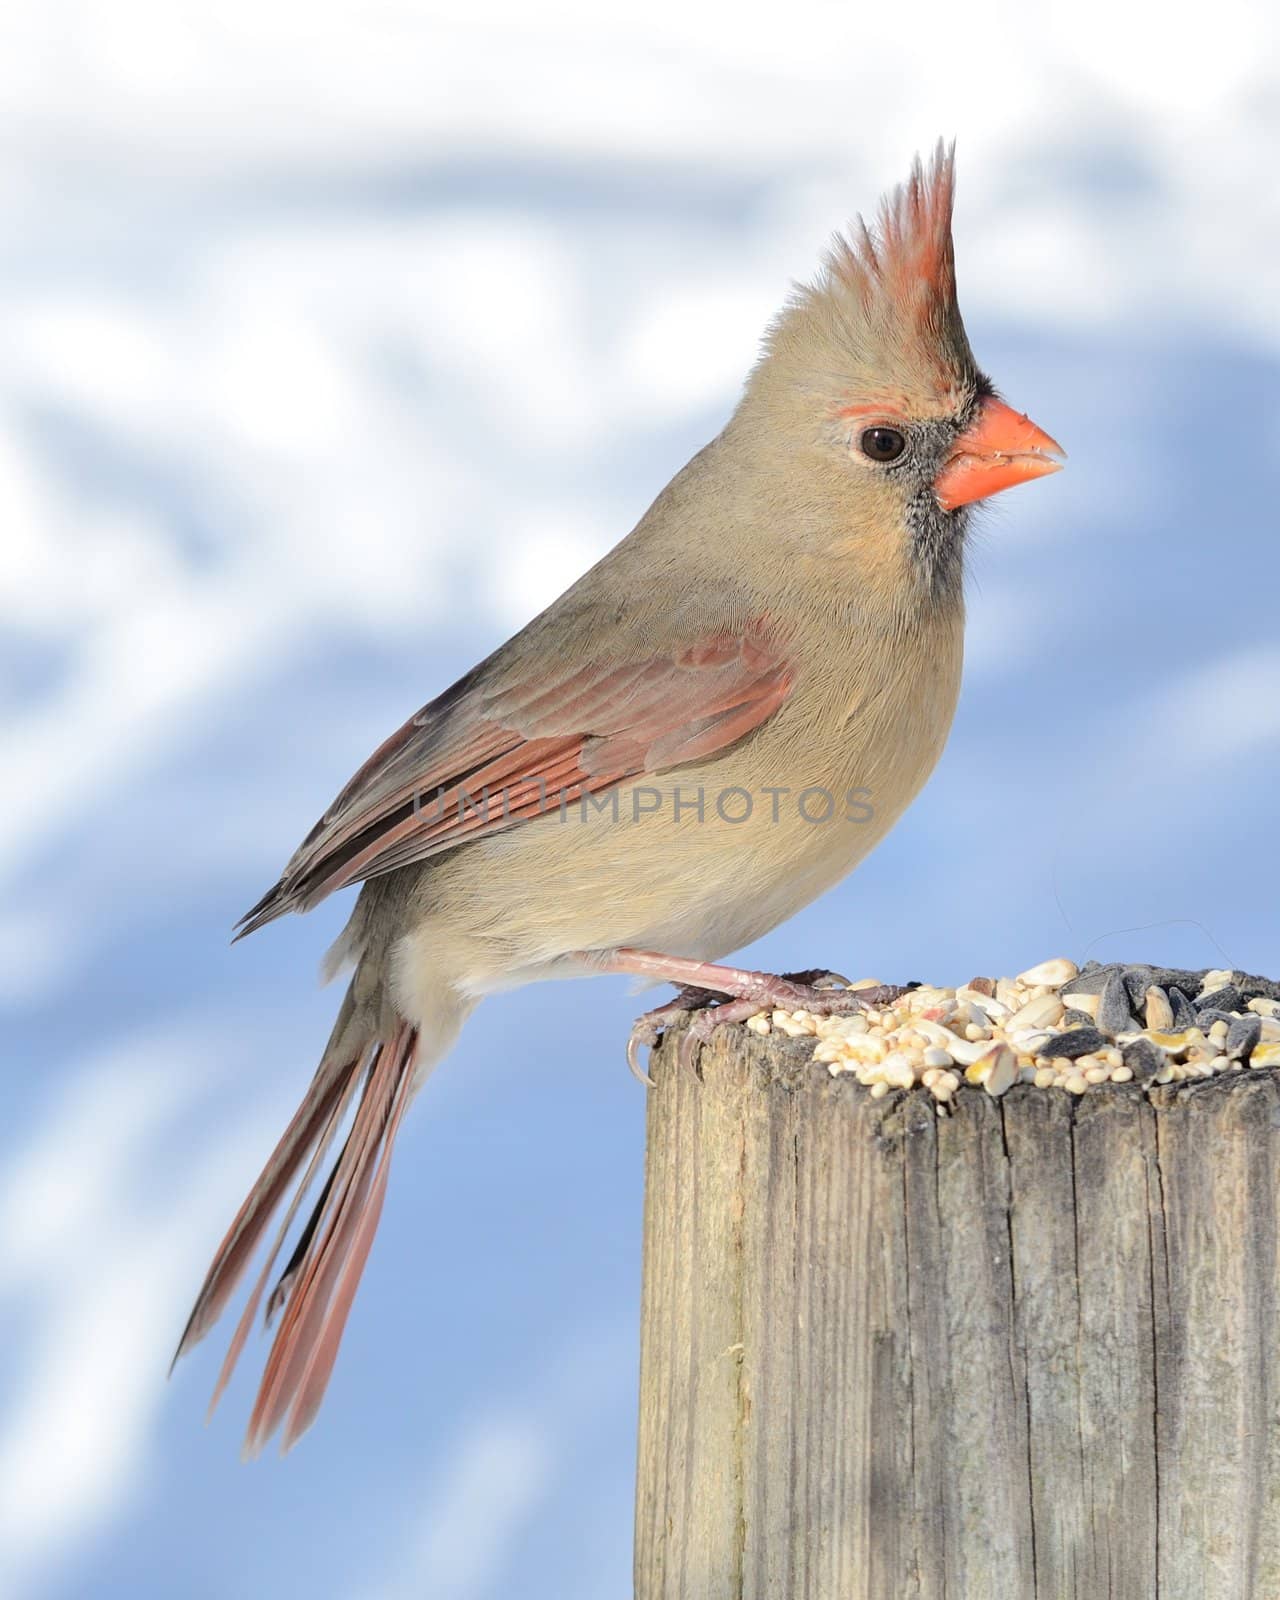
(869, 369)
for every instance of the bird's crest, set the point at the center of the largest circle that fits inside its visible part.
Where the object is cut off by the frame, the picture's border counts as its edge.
(908, 258)
(883, 309)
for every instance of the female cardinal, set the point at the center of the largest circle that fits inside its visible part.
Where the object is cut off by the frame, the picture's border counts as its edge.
(705, 732)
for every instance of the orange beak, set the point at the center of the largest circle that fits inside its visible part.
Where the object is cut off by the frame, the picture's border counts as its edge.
(1000, 447)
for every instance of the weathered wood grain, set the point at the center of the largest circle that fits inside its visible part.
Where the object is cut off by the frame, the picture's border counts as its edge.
(1028, 1351)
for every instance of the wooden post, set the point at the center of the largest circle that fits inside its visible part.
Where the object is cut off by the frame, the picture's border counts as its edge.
(1030, 1351)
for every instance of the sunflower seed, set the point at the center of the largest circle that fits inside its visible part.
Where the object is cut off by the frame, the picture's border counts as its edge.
(1184, 1014)
(1156, 1008)
(967, 1051)
(1242, 1036)
(1074, 1043)
(1225, 998)
(1092, 979)
(1056, 971)
(1114, 1015)
(1002, 1072)
(1184, 978)
(1040, 1013)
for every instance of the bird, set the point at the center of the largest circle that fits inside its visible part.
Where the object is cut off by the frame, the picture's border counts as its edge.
(707, 730)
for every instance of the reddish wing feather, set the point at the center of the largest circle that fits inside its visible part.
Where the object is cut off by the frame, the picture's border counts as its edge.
(530, 748)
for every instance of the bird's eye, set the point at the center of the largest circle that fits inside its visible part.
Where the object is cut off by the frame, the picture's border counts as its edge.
(882, 444)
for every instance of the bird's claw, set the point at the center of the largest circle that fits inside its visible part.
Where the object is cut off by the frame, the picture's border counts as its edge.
(644, 1036)
(648, 1029)
(818, 978)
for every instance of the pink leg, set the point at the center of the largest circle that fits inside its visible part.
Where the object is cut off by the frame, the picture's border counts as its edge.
(747, 993)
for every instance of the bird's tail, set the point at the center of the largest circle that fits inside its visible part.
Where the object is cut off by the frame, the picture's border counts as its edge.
(317, 1286)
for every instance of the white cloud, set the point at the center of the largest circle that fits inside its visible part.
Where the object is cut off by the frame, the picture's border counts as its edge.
(33, 948)
(690, 346)
(1229, 706)
(546, 549)
(490, 1485)
(98, 1223)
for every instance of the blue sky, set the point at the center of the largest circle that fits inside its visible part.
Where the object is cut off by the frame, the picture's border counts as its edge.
(332, 348)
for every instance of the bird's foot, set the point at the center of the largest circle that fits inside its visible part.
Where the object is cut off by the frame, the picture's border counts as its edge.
(719, 994)
(820, 993)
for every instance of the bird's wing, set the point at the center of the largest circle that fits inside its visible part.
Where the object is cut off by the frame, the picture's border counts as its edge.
(495, 751)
